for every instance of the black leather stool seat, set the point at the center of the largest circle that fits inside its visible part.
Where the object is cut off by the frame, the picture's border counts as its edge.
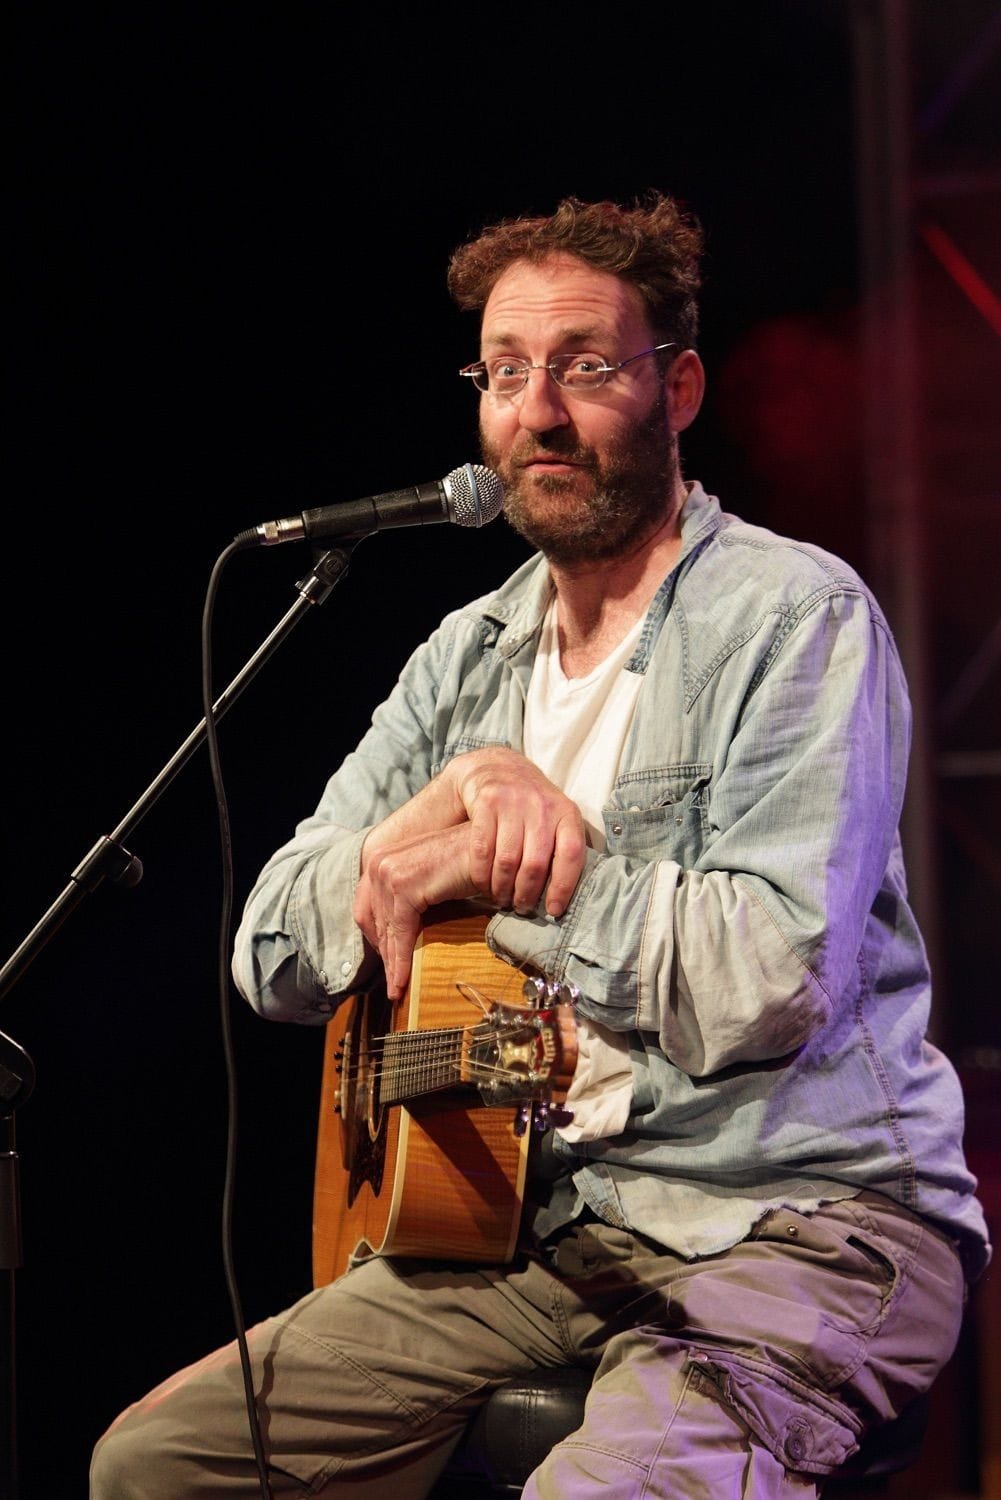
(515, 1429)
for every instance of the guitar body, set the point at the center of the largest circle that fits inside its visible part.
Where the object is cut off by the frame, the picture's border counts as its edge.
(441, 1176)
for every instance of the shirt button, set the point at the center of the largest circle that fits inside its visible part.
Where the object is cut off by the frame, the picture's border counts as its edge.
(345, 968)
(616, 827)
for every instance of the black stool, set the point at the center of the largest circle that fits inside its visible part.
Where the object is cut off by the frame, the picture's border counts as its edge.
(515, 1429)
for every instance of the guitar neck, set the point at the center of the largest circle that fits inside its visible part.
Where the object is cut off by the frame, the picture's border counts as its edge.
(415, 1063)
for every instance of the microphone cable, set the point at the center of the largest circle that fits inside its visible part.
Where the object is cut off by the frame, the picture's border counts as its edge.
(225, 943)
(469, 496)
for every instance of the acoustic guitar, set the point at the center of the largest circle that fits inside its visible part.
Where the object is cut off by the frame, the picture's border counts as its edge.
(425, 1106)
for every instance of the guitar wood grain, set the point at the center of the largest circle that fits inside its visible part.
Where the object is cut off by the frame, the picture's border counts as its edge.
(442, 1178)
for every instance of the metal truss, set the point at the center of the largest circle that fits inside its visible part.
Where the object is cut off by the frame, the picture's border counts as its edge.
(927, 90)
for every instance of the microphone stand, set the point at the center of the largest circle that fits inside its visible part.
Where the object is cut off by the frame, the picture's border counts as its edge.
(108, 859)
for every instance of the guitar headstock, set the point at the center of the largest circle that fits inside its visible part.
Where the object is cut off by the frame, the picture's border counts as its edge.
(522, 1054)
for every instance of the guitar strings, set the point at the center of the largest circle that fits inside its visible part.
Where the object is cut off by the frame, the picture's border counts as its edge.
(413, 1062)
(422, 1044)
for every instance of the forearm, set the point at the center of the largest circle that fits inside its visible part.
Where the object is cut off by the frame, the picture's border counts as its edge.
(490, 826)
(298, 948)
(693, 959)
(730, 928)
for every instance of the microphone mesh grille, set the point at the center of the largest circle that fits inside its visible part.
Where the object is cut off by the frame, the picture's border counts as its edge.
(475, 495)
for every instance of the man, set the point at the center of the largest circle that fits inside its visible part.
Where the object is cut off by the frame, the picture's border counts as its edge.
(668, 756)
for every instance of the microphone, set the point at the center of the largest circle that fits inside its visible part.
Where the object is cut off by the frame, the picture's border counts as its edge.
(470, 496)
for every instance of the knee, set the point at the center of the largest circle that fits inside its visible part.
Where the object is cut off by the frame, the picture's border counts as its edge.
(124, 1464)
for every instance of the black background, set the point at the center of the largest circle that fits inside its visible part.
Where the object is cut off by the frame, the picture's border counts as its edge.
(231, 225)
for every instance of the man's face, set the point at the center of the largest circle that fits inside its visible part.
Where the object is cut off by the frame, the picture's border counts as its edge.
(585, 477)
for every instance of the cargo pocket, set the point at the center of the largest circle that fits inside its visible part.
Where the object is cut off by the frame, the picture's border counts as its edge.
(802, 1428)
(839, 1271)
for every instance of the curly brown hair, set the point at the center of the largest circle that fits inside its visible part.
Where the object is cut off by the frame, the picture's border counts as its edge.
(655, 244)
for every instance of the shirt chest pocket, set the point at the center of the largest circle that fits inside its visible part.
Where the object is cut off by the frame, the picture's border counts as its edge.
(662, 813)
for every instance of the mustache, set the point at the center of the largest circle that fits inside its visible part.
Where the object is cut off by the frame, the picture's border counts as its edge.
(558, 445)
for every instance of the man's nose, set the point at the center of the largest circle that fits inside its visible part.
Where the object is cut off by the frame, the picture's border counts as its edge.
(542, 405)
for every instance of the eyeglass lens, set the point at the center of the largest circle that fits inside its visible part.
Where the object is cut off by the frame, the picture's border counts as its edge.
(576, 372)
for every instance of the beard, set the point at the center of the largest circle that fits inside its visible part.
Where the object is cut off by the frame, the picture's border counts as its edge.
(628, 494)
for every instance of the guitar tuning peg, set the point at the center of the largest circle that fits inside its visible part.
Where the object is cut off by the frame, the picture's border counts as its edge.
(535, 990)
(521, 1119)
(554, 1117)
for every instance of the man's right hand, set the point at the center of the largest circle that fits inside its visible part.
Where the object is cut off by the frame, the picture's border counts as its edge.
(399, 883)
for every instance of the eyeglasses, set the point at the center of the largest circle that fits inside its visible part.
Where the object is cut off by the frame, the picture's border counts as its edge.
(579, 373)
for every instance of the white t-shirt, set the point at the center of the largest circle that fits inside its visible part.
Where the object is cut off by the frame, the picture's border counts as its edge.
(575, 729)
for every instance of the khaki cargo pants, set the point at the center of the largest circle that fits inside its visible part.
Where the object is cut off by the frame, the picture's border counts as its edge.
(751, 1373)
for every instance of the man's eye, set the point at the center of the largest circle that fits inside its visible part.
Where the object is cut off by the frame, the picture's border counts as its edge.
(505, 372)
(583, 370)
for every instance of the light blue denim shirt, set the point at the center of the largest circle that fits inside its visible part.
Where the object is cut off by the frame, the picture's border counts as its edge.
(747, 924)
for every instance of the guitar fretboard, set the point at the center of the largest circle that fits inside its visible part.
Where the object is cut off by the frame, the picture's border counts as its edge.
(419, 1062)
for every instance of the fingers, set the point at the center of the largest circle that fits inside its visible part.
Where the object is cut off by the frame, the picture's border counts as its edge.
(392, 931)
(509, 853)
(361, 911)
(551, 863)
(482, 851)
(390, 919)
(399, 939)
(398, 886)
(569, 857)
(388, 923)
(525, 832)
(515, 854)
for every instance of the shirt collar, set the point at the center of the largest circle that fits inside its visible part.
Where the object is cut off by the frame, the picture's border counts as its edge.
(519, 605)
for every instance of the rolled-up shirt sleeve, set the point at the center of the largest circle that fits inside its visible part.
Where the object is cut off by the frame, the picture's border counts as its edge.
(297, 950)
(297, 945)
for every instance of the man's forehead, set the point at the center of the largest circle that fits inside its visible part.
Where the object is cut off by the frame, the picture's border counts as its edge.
(562, 293)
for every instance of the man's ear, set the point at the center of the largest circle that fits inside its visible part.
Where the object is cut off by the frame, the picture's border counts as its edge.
(684, 388)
